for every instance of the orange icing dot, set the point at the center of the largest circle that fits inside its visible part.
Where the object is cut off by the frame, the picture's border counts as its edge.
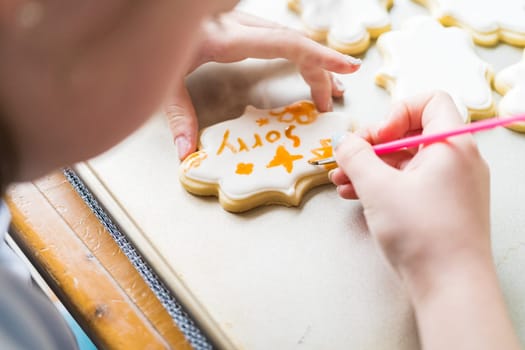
(284, 158)
(244, 168)
(303, 112)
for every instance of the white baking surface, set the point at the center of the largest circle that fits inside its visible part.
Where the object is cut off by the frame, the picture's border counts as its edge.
(285, 278)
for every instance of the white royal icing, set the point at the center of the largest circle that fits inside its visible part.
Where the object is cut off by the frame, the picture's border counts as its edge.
(424, 56)
(511, 83)
(345, 21)
(254, 139)
(483, 16)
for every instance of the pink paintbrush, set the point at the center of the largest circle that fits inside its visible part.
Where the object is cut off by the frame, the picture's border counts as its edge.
(417, 140)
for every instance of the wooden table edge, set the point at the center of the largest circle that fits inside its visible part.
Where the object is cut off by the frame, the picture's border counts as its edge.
(84, 266)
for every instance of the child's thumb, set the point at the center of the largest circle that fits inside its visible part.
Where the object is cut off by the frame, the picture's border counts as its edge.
(357, 159)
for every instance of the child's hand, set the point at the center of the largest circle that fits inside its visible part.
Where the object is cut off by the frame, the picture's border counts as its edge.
(426, 208)
(429, 211)
(236, 36)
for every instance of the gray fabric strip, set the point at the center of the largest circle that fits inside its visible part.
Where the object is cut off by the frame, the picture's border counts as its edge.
(181, 318)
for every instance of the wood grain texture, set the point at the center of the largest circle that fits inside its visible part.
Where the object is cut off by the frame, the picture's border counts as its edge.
(86, 269)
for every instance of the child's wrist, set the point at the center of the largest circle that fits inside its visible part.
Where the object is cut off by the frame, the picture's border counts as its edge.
(430, 277)
(461, 305)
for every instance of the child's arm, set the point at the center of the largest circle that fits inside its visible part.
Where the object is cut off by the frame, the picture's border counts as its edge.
(429, 211)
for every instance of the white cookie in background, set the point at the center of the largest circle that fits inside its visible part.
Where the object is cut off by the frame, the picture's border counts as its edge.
(424, 56)
(262, 157)
(510, 83)
(488, 21)
(347, 26)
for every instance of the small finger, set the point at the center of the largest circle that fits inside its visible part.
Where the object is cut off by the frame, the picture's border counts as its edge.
(320, 83)
(338, 177)
(281, 42)
(364, 168)
(347, 191)
(182, 122)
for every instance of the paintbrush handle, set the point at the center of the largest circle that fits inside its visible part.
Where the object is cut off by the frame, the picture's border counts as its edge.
(414, 141)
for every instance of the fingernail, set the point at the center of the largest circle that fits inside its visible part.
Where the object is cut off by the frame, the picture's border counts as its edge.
(183, 146)
(337, 139)
(354, 60)
(330, 174)
(339, 85)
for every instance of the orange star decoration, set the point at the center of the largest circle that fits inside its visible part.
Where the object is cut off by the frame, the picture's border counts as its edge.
(284, 158)
(325, 151)
(244, 168)
(262, 121)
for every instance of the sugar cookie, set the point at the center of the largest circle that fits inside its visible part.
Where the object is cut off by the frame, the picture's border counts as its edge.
(510, 83)
(487, 21)
(262, 157)
(424, 56)
(346, 25)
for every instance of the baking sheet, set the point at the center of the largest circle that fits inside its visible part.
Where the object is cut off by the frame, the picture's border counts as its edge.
(284, 278)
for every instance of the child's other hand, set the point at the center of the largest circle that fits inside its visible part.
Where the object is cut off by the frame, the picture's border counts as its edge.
(427, 207)
(235, 36)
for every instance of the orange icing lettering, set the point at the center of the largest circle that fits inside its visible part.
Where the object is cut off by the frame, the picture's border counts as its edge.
(258, 141)
(303, 112)
(273, 136)
(325, 151)
(284, 158)
(225, 143)
(244, 168)
(288, 132)
(242, 145)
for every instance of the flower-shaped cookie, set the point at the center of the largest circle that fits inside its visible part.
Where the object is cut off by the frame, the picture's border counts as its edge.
(510, 83)
(346, 25)
(487, 21)
(262, 156)
(424, 56)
